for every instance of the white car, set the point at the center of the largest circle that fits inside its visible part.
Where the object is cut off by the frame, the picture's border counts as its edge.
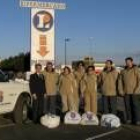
(15, 98)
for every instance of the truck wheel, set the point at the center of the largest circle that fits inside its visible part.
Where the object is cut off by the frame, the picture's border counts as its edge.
(21, 110)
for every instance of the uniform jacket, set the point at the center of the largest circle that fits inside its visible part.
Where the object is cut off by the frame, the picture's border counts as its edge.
(67, 84)
(129, 81)
(78, 76)
(51, 82)
(108, 82)
(89, 84)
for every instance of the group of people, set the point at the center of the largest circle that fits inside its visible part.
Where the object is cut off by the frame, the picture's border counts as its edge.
(85, 84)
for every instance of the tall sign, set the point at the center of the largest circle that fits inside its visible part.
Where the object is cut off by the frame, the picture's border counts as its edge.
(42, 30)
(42, 36)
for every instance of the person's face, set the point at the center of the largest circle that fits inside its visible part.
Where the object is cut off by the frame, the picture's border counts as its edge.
(38, 69)
(80, 66)
(66, 71)
(90, 71)
(108, 65)
(129, 63)
(49, 67)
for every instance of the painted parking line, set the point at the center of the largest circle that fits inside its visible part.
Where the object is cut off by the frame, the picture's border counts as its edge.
(7, 125)
(135, 129)
(103, 134)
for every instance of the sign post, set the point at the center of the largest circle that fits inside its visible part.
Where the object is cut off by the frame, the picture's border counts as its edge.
(42, 30)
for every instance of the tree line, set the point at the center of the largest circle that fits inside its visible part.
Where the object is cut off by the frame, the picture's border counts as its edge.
(18, 63)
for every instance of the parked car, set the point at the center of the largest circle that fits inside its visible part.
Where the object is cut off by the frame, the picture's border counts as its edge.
(15, 98)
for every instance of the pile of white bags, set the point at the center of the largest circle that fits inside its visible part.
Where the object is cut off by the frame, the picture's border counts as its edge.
(89, 119)
(72, 117)
(51, 121)
(110, 120)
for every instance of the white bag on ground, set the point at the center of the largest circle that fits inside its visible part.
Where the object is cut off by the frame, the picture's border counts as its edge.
(72, 117)
(44, 120)
(51, 121)
(110, 120)
(89, 118)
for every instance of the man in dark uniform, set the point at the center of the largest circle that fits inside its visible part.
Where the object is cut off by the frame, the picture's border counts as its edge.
(37, 89)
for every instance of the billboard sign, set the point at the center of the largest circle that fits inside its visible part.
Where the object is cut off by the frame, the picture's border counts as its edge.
(44, 5)
(42, 36)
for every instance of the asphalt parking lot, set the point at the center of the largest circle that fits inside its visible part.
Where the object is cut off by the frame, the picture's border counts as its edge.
(30, 131)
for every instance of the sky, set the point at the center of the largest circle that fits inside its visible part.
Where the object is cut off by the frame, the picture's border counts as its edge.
(104, 29)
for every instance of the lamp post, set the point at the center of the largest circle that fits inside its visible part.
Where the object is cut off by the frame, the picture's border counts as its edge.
(91, 39)
(66, 40)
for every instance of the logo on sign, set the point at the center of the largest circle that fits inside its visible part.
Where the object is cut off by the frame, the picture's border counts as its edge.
(43, 21)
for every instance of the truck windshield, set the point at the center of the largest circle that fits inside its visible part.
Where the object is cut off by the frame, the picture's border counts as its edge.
(3, 77)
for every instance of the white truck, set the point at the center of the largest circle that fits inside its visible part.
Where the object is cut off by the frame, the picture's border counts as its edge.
(15, 98)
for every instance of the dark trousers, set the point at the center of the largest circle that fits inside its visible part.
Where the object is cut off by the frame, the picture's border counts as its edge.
(37, 108)
(50, 105)
(109, 104)
(132, 107)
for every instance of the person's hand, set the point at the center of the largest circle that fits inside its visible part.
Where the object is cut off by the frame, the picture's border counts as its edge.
(34, 96)
(121, 94)
(82, 95)
(45, 95)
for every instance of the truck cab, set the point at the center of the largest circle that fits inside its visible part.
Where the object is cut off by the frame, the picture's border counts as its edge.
(15, 98)
(3, 76)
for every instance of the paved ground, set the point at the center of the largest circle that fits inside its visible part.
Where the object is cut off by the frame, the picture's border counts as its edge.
(30, 131)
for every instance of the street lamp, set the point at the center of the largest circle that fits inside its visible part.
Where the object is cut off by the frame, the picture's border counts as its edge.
(66, 40)
(91, 39)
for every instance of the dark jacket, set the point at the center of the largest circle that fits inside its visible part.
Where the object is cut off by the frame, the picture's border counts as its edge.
(37, 84)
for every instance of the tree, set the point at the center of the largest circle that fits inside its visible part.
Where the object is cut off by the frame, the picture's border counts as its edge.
(20, 62)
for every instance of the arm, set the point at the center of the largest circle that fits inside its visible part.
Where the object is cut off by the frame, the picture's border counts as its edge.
(116, 79)
(75, 86)
(99, 81)
(57, 79)
(32, 87)
(44, 86)
(74, 81)
(59, 82)
(120, 84)
(137, 88)
(32, 84)
(83, 85)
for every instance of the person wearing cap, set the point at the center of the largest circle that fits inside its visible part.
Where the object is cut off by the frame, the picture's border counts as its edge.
(51, 83)
(129, 87)
(107, 81)
(37, 89)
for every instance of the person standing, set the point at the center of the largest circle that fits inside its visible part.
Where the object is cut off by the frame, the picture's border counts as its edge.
(68, 89)
(37, 89)
(51, 83)
(129, 87)
(88, 88)
(107, 81)
(79, 73)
